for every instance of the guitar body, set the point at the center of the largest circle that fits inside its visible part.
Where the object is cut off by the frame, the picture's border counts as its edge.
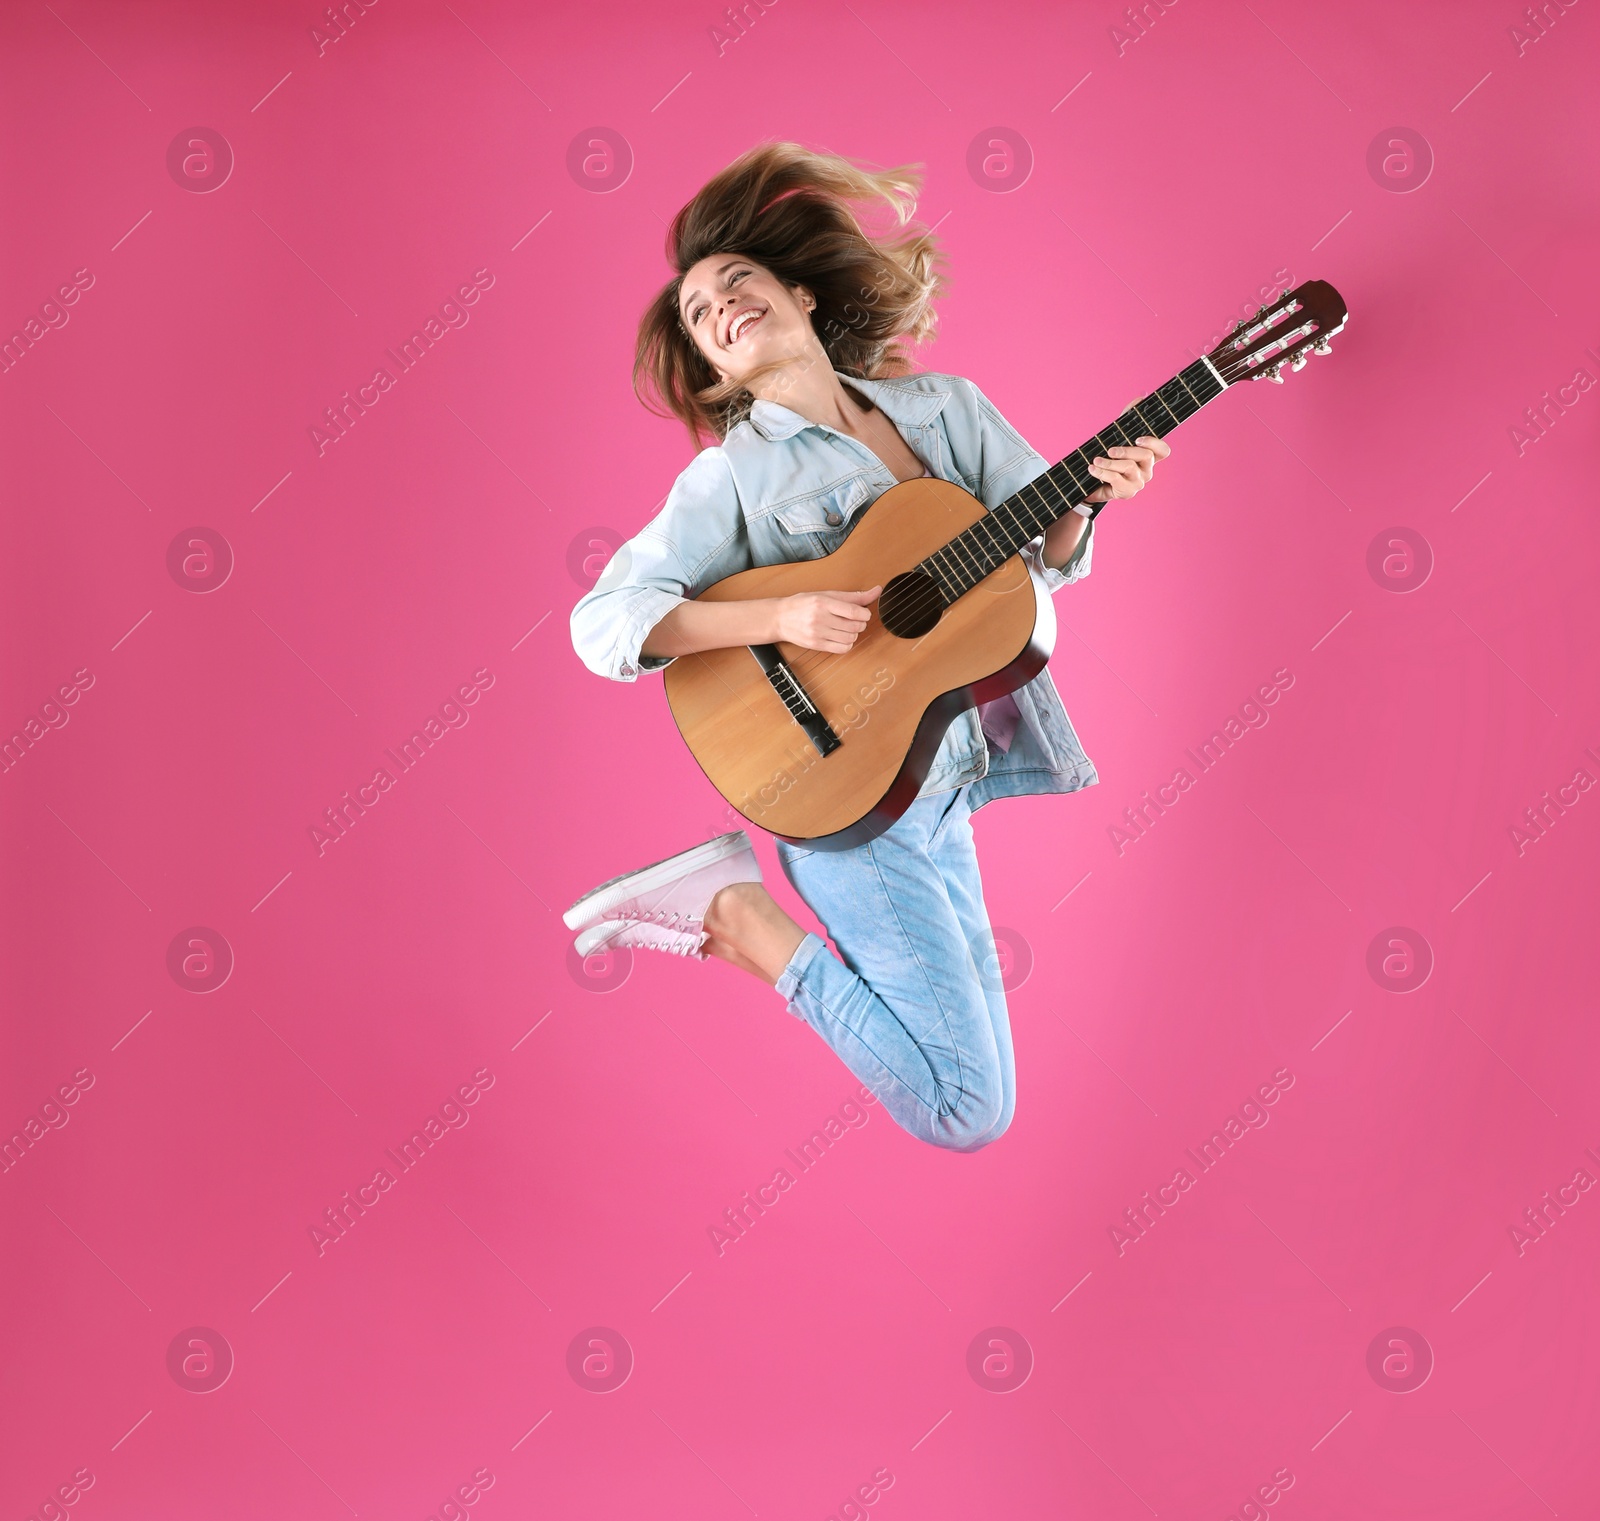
(889, 700)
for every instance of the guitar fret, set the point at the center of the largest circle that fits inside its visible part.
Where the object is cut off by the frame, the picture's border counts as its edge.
(1079, 486)
(1133, 424)
(989, 534)
(983, 543)
(1190, 394)
(980, 548)
(982, 566)
(1159, 427)
(992, 530)
(1026, 519)
(1051, 503)
(1030, 524)
(1017, 515)
(1173, 396)
(1157, 396)
(967, 556)
(980, 545)
(1195, 375)
(1067, 495)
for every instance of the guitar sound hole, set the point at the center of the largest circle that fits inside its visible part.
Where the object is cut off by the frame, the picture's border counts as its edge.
(910, 605)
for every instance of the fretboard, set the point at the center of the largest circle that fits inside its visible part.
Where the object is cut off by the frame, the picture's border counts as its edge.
(1002, 532)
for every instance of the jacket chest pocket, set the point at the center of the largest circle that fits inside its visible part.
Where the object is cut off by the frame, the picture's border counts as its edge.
(822, 520)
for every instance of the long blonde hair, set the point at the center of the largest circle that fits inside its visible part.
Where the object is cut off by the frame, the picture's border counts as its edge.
(802, 215)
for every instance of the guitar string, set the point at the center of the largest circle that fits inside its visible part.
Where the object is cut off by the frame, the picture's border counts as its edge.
(1118, 430)
(941, 583)
(942, 563)
(817, 670)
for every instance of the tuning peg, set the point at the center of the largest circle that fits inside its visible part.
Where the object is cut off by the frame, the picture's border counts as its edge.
(1299, 362)
(1322, 346)
(1275, 374)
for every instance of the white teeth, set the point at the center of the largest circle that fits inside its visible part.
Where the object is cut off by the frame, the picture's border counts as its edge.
(741, 322)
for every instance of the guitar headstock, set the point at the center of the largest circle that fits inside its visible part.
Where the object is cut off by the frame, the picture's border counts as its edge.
(1299, 323)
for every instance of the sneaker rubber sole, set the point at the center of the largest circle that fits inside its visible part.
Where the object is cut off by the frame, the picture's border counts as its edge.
(593, 905)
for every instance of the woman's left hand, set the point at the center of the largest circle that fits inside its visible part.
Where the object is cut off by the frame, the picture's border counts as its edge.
(1127, 469)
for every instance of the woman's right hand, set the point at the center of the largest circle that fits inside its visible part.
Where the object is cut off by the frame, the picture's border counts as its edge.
(829, 621)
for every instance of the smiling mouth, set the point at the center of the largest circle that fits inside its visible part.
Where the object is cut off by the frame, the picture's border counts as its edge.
(742, 324)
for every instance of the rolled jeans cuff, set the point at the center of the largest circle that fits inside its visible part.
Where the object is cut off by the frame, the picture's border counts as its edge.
(788, 983)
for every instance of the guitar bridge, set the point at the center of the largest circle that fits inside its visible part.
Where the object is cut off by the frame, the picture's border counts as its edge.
(793, 696)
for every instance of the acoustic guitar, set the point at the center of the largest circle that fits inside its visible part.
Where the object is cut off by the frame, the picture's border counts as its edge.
(828, 750)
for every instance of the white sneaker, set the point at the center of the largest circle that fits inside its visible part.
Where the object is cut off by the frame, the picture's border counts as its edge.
(611, 934)
(673, 894)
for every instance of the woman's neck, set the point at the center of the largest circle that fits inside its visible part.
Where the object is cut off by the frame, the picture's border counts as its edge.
(812, 388)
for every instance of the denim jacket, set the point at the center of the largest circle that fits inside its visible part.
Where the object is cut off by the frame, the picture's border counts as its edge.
(782, 488)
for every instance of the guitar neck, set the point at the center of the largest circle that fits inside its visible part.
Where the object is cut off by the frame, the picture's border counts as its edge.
(1022, 517)
(1158, 413)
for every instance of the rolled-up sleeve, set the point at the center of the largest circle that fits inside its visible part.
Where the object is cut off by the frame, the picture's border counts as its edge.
(1076, 568)
(1007, 462)
(656, 570)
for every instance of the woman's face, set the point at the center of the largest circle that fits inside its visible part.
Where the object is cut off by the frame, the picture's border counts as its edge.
(741, 315)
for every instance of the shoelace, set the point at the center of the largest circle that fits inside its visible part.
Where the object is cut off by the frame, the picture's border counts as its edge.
(684, 925)
(668, 918)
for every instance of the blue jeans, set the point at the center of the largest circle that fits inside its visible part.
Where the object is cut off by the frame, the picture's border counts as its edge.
(913, 1003)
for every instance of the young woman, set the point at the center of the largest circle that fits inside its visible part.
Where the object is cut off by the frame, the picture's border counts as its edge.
(782, 336)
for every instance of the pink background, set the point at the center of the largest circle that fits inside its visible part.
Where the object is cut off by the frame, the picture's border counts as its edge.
(1174, 176)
